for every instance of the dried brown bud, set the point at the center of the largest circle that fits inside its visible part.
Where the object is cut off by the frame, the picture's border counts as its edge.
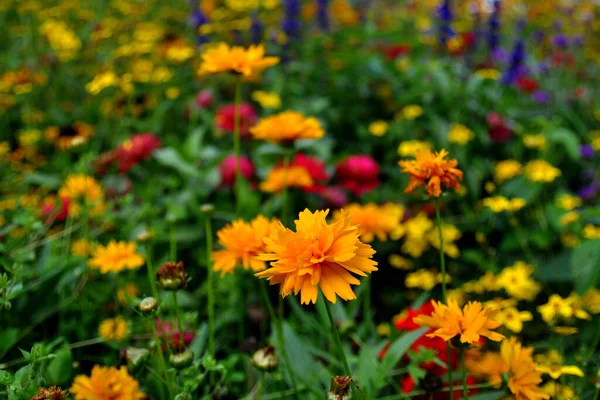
(265, 358)
(172, 276)
(52, 393)
(340, 388)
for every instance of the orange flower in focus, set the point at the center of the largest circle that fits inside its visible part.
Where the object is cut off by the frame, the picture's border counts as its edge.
(106, 383)
(431, 170)
(317, 255)
(524, 377)
(242, 242)
(470, 323)
(249, 63)
(295, 176)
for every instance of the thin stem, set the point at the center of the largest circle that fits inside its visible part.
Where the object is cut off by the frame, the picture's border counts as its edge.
(241, 284)
(163, 364)
(172, 243)
(236, 143)
(178, 315)
(279, 333)
(151, 272)
(338, 342)
(211, 293)
(367, 306)
(464, 374)
(261, 382)
(444, 297)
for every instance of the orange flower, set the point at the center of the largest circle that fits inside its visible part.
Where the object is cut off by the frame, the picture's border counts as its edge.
(287, 126)
(317, 255)
(247, 62)
(242, 242)
(470, 323)
(106, 383)
(431, 170)
(524, 377)
(295, 176)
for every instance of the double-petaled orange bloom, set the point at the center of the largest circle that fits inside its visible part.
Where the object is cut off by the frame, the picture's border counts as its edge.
(470, 323)
(249, 63)
(317, 255)
(287, 126)
(432, 170)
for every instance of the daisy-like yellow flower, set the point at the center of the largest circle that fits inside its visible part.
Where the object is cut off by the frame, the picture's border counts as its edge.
(561, 391)
(541, 171)
(568, 202)
(115, 257)
(82, 247)
(106, 383)
(267, 99)
(591, 299)
(242, 242)
(516, 280)
(569, 218)
(558, 307)
(506, 170)
(113, 328)
(287, 126)
(524, 378)
(534, 142)
(397, 261)
(129, 291)
(249, 63)
(410, 148)
(373, 220)
(469, 323)
(378, 128)
(513, 319)
(294, 176)
(551, 364)
(450, 234)
(488, 365)
(432, 170)
(500, 204)
(317, 255)
(460, 134)
(414, 232)
(424, 279)
(591, 231)
(488, 73)
(412, 111)
(83, 190)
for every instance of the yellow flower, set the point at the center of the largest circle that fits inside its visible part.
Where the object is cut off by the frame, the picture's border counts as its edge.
(29, 137)
(460, 134)
(591, 299)
(450, 234)
(470, 323)
(373, 220)
(384, 330)
(412, 111)
(422, 279)
(106, 383)
(566, 330)
(591, 232)
(287, 126)
(172, 93)
(294, 176)
(115, 257)
(570, 240)
(397, 261)
(556, 371)
(102, 81)
(488, 365)
(488, 73)
(267, 99)
(113, 329)
(414, 231)
(317, 255)
(457, 295)
(558, 307)
(534, 141)
(513, 319)
(432, 170)
(541, 171)
(568, 202)
(517, 281)
(378, 128)
(488, 282)
(569, 218)
(524, 379)
(410, 148)
(129, 291)
(242, 242)
(500, 204)
(506, 170)
(82, 247)
(249, 63)
(562, 392)
(83, 190)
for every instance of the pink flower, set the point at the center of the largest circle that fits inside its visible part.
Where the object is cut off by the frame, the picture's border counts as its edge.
(225, 118)
(205, 98)
(334, 197)
(49, 208)
(359, 174)
(498, 128)
(227, 169)
(139, 147)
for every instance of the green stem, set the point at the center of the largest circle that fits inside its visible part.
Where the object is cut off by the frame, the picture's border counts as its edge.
(211, 293)
(279, 333)
(237, 144)
(367, 306)
(464, 374)
(151, 272)
(163, 364)
(285, 190)
(338, 343)
(241, 284)
(172, 243)
(259, 388)
(178, 316)
(444, 297)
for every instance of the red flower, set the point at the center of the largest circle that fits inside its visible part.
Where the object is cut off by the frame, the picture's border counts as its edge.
(315, 168)
(498, 128)
(358, 174)
(227, 169)
(225, 118)
(139, 147)
(49, 208)
(527, 84)
(393, 52)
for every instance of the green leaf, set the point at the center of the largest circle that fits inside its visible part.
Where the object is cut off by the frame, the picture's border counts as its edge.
(585, 265)
(249, 202)
(521, 187)
(495, 395)
(8, 337)
(170, 158)
(60, 368)
(568, 139)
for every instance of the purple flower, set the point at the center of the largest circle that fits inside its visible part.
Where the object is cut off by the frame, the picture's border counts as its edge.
(543, 67)
(541, 97)
(588, 192)
(291, 19)
(499, 55)
(256, 30)
(323, 15)
(561, 41)
(444, 12)
(493, 34)
(586, 151)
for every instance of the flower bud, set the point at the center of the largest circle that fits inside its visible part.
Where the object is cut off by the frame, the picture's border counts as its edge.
(148, 306)
(340, 388)
(181, 358)
(207, 208)
(145, 236)
(134, 357)
(172, 276)
(52, 393)
(265, 359)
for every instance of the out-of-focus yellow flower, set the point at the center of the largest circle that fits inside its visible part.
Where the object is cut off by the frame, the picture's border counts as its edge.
(378, 128)
(373, 220)
(500, 204)
(513, 319)
(410, 148)
(541, 171)
(342, 12)
(172, 92)
(568, 202)
(591, 231)
(517, 281)
(591, 299)
(524, 378)
(29, 137)
(488, 73)
(566, 330)
(113, 328)
(569, 218)
(397, 261)
(69, 136)
(558, 307)
(115, 257)
(534, 141)
(553, 388)
(287, 126)
(279, 177)
(457, 295)
(384, 330)
(414, 231)
(267, 99)
(551, 364)
(412, 111)
(249, 63)
(506, 170)
(460, 134)
(129, 291)
(488, 282)
(83, 190)
(421, 279)
(450, 234)
(102, 81)
(61, 38)
(82, 247)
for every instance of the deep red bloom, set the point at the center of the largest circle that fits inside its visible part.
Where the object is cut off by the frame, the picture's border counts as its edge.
(395, 51)
(225, 118)
(49, 208)
(139, 147)
(227, 169)
(358, 174)
(172, 333)
(527, 84)
(316, 170)
(498, 128)
(205, 98)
